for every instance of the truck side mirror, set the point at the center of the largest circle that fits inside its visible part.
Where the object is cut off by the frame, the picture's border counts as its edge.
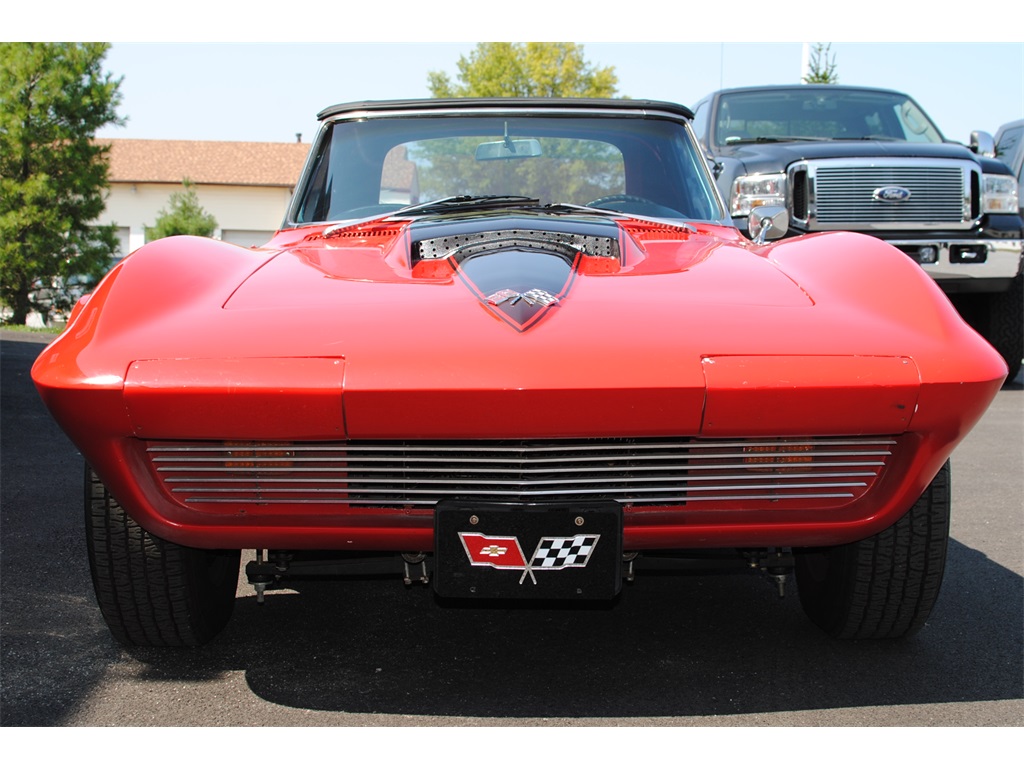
(982, 144)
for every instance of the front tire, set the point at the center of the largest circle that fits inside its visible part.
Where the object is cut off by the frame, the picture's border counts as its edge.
(1006, 325)
(886, 585)
(999, 318)
(152, 592)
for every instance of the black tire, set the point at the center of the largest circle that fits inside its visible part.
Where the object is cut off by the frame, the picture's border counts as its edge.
(999, 318)
(1006, 325)
(886, 585)
(152, 592)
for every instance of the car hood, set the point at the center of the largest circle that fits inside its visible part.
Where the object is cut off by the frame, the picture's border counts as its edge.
(779, 154)
(507, 325)
(508, 314)
(513, 267)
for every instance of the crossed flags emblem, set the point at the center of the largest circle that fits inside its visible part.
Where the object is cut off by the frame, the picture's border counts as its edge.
(531, 297)
(553, 553)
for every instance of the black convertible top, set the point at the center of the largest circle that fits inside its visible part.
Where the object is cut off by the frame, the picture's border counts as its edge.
(643, 105)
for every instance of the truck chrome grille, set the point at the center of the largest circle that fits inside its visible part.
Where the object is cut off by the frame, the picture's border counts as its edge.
(830, 194)
(639, 472)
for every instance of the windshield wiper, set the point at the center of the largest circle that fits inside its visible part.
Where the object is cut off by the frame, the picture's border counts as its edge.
(877, 137)
(611, 212)
(470, 202)
(730, 141)
(461, 202)
(771, 139)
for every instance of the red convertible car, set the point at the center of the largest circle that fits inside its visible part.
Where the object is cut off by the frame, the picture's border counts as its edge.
(515, 348)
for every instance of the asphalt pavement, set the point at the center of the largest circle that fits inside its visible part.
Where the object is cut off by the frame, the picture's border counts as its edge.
(677, 650)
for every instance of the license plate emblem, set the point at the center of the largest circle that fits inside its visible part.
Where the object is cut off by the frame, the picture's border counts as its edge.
(553, 553)
(528, 551)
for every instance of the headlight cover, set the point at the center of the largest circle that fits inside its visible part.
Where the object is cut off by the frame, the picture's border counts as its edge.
(1000, 194)
(748, 192)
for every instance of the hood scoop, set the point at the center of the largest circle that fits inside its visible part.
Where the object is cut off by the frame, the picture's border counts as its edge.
(463, 243)
(519, 274)
(519, 283)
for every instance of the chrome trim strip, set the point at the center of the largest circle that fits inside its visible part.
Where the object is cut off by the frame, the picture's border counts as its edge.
(433, 502)
(499, 447)
(636, 472)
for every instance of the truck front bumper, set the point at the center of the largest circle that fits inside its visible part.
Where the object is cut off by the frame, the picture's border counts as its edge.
(966, 264)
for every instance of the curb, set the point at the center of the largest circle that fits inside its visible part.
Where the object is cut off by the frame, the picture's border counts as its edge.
(39, 338)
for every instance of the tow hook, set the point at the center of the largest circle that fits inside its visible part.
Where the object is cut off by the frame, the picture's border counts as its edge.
(261, 576)
(629, 558)
(415, 558)
(776, 566)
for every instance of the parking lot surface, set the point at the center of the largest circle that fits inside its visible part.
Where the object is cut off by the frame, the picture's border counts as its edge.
(674, 649)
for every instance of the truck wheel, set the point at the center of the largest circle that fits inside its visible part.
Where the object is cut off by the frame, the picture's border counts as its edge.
(886, 585)
(152, 592)
(1006, 325)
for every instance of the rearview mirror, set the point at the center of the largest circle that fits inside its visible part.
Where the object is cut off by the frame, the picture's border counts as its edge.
(509, 149)
(767, 222)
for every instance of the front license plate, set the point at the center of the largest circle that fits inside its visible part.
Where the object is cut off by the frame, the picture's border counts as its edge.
(528, 551)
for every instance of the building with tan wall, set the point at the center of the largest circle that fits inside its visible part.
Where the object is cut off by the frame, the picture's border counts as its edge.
(246, 186)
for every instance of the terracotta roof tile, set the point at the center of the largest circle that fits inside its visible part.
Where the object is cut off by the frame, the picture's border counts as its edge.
(243, 163)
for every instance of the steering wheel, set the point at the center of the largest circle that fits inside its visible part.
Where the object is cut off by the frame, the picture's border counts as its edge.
(603, 202)
(369, 210)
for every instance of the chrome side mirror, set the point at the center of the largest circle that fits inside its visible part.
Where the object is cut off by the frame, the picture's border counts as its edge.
(767, 222)
(982, 144)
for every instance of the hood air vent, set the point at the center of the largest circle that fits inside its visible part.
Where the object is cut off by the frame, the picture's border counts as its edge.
(557, 242)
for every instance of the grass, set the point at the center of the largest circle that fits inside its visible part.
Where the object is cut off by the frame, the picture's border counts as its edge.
(52, 330)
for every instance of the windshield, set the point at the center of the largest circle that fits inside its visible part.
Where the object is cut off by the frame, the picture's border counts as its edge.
(369, 167)
(815, 114)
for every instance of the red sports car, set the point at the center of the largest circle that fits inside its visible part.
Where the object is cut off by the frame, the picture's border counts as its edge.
(515, 348)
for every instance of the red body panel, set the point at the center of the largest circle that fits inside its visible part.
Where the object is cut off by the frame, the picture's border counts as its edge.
(687, 334)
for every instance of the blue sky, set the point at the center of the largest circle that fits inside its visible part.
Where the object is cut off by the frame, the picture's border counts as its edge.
(222, 85)
(270, 92)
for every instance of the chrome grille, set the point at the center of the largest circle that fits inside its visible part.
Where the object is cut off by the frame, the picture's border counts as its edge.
(592, 245)
(651, 472)
(841, 195)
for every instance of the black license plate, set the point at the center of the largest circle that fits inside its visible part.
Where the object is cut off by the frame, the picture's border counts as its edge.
(528, 551)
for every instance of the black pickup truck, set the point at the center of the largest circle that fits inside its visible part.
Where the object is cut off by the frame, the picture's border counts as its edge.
(870, 160)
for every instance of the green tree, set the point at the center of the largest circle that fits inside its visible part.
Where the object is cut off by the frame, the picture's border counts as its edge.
(53, 174)
(822, 65)
(585, 170)
(184, 216)
(525, 69)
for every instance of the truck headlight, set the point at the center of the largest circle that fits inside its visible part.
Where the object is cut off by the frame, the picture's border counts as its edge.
(1000, 194)
(748, 192)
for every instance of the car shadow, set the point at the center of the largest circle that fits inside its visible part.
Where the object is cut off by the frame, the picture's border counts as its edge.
(672, 645)
(1016, 383)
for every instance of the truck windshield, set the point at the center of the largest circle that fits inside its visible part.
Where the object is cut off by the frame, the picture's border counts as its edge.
(809, 114)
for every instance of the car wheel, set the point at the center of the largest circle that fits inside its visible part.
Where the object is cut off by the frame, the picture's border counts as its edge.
(152, 592)
(999, 318)
(886, 585)
(1006, 324)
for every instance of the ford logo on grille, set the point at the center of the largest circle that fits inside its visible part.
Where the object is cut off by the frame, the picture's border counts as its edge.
(891, 194)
